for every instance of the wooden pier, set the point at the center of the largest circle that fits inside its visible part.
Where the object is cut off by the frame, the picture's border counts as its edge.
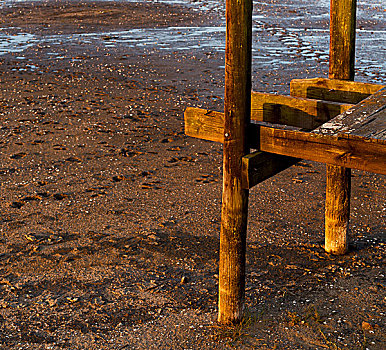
(335, 121)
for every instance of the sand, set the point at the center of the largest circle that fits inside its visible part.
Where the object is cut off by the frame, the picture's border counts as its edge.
(110, 215)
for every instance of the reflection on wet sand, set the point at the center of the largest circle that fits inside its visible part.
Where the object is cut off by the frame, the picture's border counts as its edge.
(297, 33)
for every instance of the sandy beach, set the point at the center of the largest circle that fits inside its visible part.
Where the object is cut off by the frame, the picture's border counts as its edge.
(110, 215)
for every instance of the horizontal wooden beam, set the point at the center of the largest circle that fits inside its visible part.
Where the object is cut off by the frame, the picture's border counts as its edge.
(209, 125)
(259, 166)
(294, 111)
(333, 89)
(344, 150)
(204, 124)
(298, 112)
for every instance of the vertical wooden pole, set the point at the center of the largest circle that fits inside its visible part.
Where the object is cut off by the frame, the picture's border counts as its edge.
(342, 63)
(337, 209)
(235, 199)
(342, 39)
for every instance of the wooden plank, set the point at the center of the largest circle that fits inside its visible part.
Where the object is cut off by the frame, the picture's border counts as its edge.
(234, 209)
(209, 125)
(343, 149)
(259, 166)
(366, 119)
(375, 127)
(340, 150)
(204, 124)
(333, 89)
(299, 112)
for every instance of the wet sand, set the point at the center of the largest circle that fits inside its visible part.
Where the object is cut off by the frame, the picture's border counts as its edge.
(110, 215)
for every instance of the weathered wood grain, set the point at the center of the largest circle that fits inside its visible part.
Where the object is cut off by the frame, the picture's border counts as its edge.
(204, 124)
(299, 112)
(341, 150)
(209, 125)
(366, 119)
(341, 66)
(342, 39)
(277, 109)
(234, 210)
(259, 166)
(336, 223)
(343, 91)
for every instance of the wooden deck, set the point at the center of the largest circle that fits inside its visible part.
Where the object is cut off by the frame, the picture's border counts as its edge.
(354, 139)
(367, 119)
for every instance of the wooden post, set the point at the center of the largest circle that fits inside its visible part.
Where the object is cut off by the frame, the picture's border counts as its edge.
(235, 199)
(338, 185)
(342, 61)
(342, 39)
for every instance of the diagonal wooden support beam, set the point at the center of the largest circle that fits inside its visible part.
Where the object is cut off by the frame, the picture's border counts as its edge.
(344, 91)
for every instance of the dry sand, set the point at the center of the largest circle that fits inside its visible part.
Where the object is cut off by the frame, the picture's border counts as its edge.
(110, 215)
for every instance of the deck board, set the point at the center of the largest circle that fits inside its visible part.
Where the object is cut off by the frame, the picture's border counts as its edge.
(366, 119)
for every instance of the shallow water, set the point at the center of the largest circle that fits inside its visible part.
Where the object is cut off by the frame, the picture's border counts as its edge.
(284, 32)
(15, 43)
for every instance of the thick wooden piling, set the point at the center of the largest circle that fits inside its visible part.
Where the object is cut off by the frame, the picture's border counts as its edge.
(342, 61)
(235, 198)
(338, 185)
(342, 39)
